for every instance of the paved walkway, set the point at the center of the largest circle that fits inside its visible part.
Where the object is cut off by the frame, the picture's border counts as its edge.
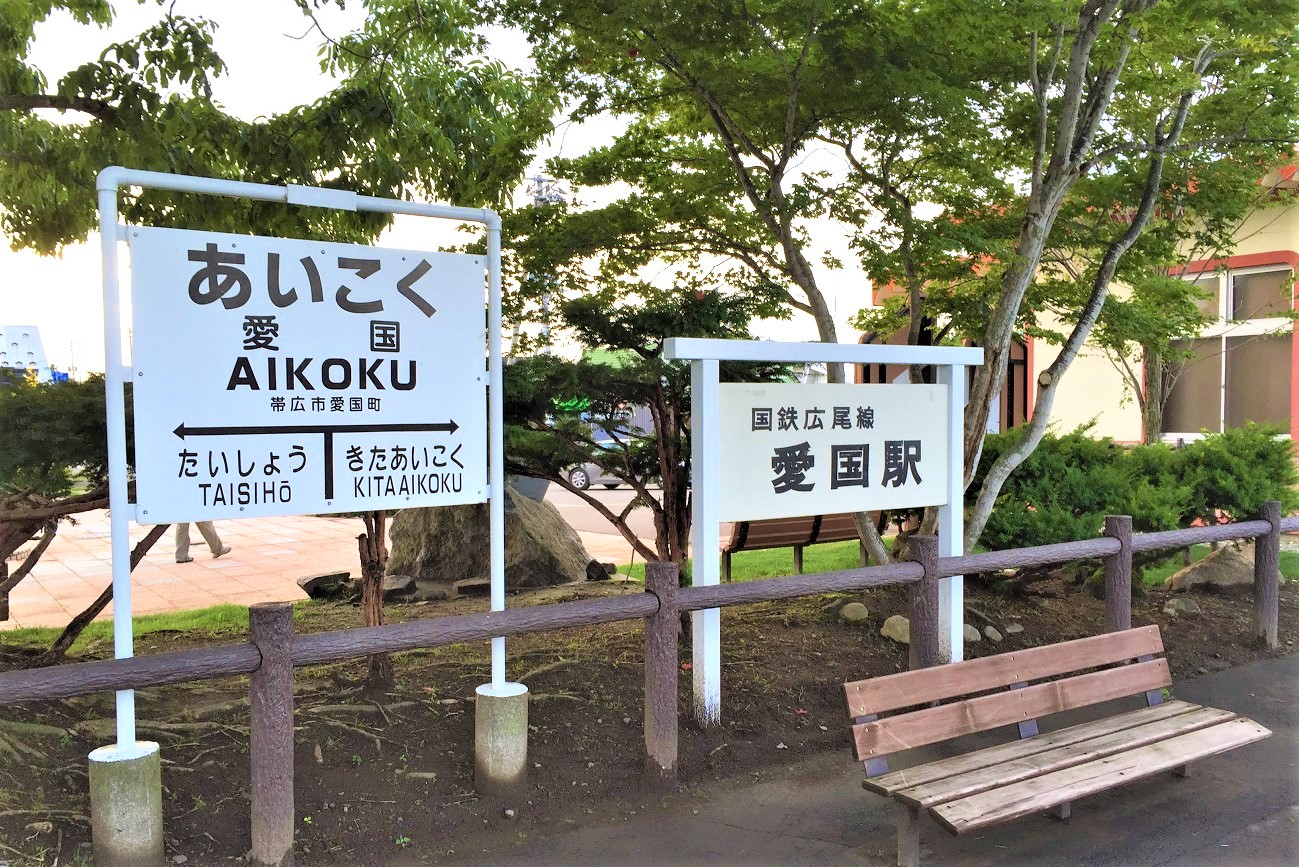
(1237, 809)
(268, 557)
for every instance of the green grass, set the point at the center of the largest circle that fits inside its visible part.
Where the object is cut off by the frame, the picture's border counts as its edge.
(1157, 574)
(217, 621)
(777, 562)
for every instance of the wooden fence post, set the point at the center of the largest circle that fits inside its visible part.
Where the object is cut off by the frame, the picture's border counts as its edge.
(661, 667)
(922, 602)
(1267, 576)
(271, 741)
(1118, 575)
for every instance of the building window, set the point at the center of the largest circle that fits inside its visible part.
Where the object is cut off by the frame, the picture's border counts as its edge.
(1240, 369)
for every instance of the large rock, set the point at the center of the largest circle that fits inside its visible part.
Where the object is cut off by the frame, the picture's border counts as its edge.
(452, 543)
(1226, 570)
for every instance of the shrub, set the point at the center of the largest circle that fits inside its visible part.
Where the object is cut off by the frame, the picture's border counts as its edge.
(1064, 490)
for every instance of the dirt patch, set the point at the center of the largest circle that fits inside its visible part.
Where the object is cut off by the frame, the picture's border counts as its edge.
(390, 781)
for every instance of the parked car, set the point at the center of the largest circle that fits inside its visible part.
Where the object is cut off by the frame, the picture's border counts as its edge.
(585, 475)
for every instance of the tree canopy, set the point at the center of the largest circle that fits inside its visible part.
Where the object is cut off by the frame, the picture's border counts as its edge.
(418, 109)
(966, 149)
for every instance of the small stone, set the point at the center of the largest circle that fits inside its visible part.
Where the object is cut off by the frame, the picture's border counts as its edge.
(536, 764)
(626, 720)
(596, 571)
(510, 813)
(448, 701)
(992, 634)
(971, 634)
(324, 585)
(854, 612)
(397, 585)
(590, 764)
(824, 729)
(320, 756)
(40, 828)
(422, 775)
(1014, 628)
(897, 628)
(179, 859)
(781, 746)
(1181, 605)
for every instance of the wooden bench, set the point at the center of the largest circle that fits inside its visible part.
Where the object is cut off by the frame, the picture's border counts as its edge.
(1039, 772)
(787, 532)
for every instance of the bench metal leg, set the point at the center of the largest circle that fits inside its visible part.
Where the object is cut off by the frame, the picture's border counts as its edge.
(1063, 811)
(1183, 770)
(908, 821)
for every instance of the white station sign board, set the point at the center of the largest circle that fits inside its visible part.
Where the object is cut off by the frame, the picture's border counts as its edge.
(284, 377)
(790, 450)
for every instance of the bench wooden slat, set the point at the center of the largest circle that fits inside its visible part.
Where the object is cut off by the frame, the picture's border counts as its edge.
(837, 528)
(921, 727)
(910, 688)
(1050, 790)
(905, 778)
(1029, 766)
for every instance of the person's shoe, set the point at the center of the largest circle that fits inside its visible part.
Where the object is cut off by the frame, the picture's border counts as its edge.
(186, 560)
(225, 549)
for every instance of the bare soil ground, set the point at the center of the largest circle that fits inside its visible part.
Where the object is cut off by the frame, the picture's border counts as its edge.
(389, 780)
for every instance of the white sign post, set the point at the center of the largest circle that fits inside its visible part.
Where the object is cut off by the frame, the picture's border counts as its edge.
(276, 376)
(794, 450)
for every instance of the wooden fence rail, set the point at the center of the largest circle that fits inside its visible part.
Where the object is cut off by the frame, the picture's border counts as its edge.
(273, 651)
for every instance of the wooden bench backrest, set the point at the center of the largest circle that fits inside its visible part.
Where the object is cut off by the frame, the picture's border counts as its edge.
(770, 533)
(790, 532)
(836, 528)
(929, 725)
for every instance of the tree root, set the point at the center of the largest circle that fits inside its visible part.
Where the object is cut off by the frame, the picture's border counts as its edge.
(13, 749)
(339, 724)
(374, 708)
(102, 729)
(207, 712)
(33, 729)
(549, 667)
(48, 813)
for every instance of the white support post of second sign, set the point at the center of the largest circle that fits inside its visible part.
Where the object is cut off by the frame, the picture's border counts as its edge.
(803, 450)
(705, 568)
(951, 519)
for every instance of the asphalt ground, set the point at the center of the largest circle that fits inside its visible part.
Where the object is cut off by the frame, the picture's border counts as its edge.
(1240, 808)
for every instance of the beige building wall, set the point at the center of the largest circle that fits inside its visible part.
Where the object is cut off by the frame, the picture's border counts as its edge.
(1269, 231)
(1091, 389)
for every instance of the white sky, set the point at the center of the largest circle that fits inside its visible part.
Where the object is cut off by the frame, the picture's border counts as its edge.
(63, 295)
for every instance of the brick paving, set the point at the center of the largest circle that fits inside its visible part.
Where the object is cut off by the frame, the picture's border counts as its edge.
(268, 557)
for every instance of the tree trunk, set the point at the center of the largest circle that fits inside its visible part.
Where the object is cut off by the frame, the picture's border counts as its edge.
(1152, 402)
(373, 548)
(59, 649)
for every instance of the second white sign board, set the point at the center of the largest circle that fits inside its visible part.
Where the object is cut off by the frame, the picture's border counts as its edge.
(286, 377)
(790, 450)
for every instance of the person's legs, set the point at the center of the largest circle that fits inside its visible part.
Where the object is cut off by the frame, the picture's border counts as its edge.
(182, 543)
(213, 540)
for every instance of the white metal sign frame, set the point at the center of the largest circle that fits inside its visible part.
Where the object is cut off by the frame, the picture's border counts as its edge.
(705, 356)
(108, 184)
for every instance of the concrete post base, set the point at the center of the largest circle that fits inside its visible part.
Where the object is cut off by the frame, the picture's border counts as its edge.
(501, 740)
(126, 805)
